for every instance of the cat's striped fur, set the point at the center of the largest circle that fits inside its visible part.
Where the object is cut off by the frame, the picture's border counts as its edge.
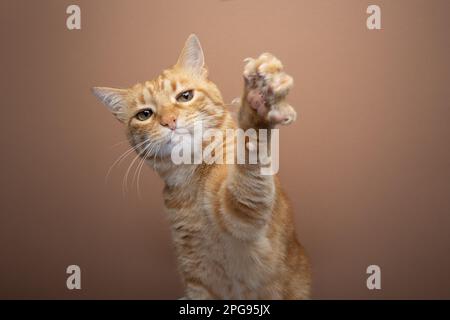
(232, 227)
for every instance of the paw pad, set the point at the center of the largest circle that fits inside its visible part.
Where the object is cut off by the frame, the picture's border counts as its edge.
(267, 87)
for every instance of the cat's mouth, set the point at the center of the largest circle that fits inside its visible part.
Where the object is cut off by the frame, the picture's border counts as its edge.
(179, 134)
(186, 134)
(182, 130)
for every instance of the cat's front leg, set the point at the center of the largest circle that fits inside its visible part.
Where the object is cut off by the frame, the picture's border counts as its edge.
(250, 197)
(264, 102)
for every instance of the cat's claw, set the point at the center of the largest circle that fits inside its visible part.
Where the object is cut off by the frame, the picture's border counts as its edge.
(267, 87)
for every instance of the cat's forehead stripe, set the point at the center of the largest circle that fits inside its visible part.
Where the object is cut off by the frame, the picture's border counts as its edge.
(146, 95)
(174, 85)
(166, 84)
(140, 99)
(151, 88)
(160, 83)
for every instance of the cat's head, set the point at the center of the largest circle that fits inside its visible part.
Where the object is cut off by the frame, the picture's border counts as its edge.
(173, 103)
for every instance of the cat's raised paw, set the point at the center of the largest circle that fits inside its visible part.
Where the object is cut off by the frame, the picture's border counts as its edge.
(267, 87)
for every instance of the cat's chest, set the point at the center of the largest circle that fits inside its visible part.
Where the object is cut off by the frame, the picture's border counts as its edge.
(230, 266)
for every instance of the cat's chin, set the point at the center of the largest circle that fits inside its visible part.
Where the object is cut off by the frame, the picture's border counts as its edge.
(178, 144)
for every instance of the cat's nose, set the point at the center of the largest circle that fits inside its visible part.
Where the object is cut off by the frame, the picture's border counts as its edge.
(169, 121)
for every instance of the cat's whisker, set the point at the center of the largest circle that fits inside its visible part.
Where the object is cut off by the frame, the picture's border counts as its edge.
(121, 158)
(144, 154)
(160, 153)
(119, 143)
(140, 169)
(141, 163)
(157, 151)
(125, 179)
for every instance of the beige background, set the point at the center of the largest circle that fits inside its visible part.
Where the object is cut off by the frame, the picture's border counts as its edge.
(367, 165)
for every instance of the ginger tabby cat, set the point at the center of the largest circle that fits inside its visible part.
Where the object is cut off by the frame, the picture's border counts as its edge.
(232, 226)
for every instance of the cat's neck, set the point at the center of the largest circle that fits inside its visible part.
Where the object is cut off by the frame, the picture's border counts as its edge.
(179, 176)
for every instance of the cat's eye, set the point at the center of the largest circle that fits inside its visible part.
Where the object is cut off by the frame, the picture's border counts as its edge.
(144, 114)
(185, 96)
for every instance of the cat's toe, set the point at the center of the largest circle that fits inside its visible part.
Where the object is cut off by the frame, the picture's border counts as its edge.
(266, 74)
(282, 114)
(280, 84)
(267, 87)
(261, 68)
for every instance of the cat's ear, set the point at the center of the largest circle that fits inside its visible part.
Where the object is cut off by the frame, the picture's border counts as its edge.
(192, 58)
(114, 99)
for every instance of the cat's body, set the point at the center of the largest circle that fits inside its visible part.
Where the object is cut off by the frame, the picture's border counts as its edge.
(232, 226)
(227, 255)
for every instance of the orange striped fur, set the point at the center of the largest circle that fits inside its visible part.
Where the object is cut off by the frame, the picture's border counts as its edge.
(232, 227)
